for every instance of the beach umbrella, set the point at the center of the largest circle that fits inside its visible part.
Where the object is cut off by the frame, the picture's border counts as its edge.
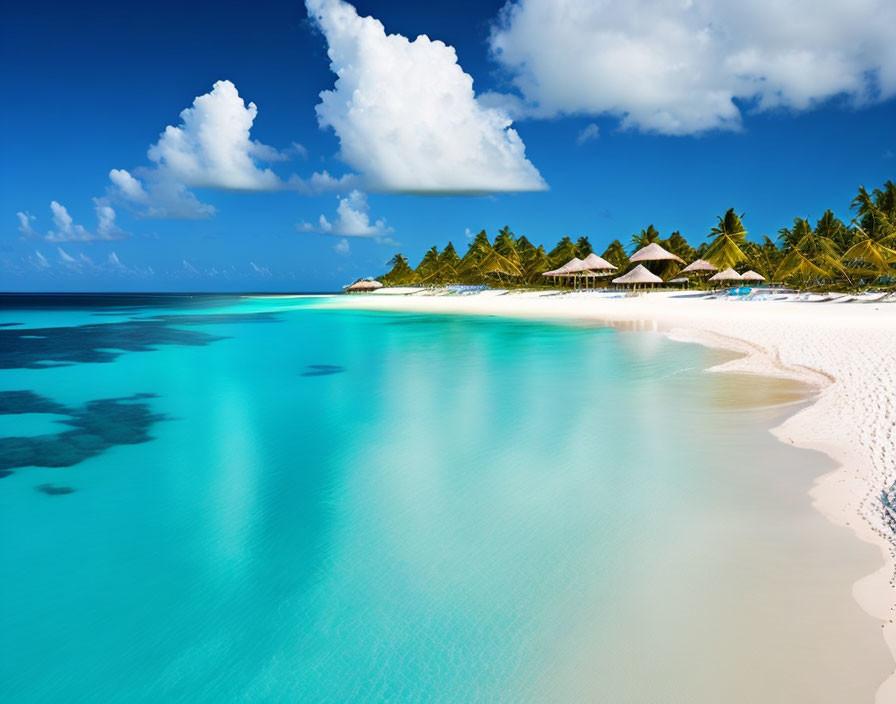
(752, 276)
(638, 275)
(654, 253)
(728, 275)
(701, 266)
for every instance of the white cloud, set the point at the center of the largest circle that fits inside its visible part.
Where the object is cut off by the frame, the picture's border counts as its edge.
(66, 258)
(39, 261)
(130, 187)
(189, 268)
(675, 67)
(25, 220)
(261, 270)
(212, 148)
(590, 132)
(342, 248)
(66, 229)
(352, 219)
(406, 115)
(158, 196)
(69, 231)
(115, 263)
(322, 181)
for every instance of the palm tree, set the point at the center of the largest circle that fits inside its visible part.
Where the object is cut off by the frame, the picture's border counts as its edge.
(477, 250)
(729, 235)
(679, 245)
(808, 256)
(505, 244)
(874, 249)
(562, 253)
(428, 270)
(615, 254)
(583, 247)
(763, 258)
(534, 262)
(645, 237)
(401, 273)
(449, 263)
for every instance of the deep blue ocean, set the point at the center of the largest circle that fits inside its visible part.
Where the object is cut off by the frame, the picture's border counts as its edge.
(229, 499)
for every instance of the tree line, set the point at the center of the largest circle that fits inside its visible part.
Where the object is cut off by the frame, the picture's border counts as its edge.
(828, 253)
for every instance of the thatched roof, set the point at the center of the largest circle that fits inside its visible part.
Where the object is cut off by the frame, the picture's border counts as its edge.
(728, 275)
(679, 280)
(638, 275)
(700, 265)
(364, 285)
(573, 266)
(595, 263)
(752, 276)
(654, 253)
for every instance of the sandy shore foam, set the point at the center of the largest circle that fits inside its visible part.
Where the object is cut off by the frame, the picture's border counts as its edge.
(846, 350)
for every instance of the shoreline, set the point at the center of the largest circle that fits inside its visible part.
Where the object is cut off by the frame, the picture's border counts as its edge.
(841, 350)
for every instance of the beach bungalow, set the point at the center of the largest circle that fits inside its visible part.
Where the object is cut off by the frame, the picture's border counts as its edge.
(726, 276)
(700, 267)
(363, 286)
(654, 253)
(639, 276)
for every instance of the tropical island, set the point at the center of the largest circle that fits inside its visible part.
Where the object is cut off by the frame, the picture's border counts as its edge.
(827, 255)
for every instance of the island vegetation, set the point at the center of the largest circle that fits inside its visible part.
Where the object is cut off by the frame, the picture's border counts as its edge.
(826, 254)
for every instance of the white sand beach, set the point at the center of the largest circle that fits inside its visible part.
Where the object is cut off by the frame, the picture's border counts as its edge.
(846, 350)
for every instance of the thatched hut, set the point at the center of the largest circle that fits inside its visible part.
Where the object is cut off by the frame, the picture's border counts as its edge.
(594, 268)
(363, 286)
(699, 267)
(572, 268)
(752, 276)
(595, 263)
(728, 275)
(654, 253)
(639, 276)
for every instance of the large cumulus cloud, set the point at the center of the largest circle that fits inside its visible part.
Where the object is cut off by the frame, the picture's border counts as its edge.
(679, 66)
(406, 115)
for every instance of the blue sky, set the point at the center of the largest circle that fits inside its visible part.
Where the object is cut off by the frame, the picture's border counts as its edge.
(620, 122)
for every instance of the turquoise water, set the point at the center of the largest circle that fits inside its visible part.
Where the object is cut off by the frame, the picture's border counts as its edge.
(269, 501)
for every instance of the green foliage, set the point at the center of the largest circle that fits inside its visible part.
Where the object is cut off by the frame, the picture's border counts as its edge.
(583, 247)
(505, 244)
(764, 258)
(645, 237)
(401, 273)
(728, 237)
(562, 253)
(873, 251)
(679, 245)
(616, 255)
(831, 254)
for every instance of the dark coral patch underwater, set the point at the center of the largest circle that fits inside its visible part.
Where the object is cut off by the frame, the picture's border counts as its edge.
(53, 490)
(42, 348)
(96, 426)
(322, 369)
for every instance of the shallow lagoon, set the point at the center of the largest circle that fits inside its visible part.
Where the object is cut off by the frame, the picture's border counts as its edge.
(316, 505)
